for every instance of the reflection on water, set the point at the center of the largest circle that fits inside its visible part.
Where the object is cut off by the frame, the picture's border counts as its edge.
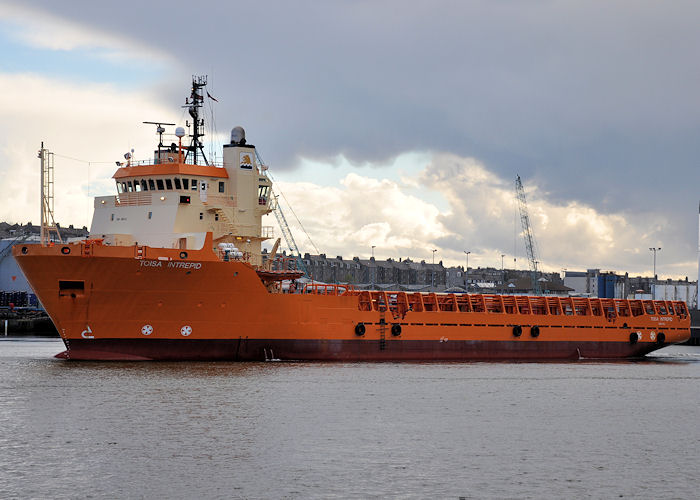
(352, 430)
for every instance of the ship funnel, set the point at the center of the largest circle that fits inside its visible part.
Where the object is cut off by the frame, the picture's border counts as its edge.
(237, 136)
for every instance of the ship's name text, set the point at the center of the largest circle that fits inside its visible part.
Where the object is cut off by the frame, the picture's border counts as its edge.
(171, 264)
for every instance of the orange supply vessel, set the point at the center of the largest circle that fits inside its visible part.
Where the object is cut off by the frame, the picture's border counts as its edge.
(173, 270)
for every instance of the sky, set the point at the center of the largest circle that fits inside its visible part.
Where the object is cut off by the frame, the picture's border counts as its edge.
(395, 124)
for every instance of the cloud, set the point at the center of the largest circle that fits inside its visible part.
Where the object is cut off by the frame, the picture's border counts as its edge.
(594, 105)
(93, 123)
(39, 28)
(359, 213)
(482, 218)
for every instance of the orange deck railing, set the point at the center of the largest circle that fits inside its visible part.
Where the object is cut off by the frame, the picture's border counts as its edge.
(327, 289)
(401, 302)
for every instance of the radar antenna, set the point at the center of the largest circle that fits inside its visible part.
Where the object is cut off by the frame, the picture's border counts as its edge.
(160, 130)
(193, 105)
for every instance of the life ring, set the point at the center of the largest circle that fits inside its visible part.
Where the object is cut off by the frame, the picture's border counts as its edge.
(65, 250)
(661, 338)
(517, 331)
(360, 329)
(535, 331)
(634, 337)
(396, 329)
(183, 255)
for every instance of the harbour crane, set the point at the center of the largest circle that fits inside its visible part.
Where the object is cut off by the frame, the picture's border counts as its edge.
(528, 234)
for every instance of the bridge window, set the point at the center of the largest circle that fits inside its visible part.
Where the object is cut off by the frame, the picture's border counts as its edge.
(144, 185)
(159, 182)
(120, 189)
(263, 193)
(168, 184)
(194, 184)
(129, 186)
(185, 183)
(177, 183)
(151, 185)
(221, 187)
(137, 186)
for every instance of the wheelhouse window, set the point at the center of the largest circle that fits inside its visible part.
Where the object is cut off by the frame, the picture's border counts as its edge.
(263, 193)
(151, 185)
(177, 183)
(137, 186)
(168, 184)
(185, 183)
(221, 187)
(144, 185)
(120, 189)
(194, 184)
(159, 182)
(129, 186)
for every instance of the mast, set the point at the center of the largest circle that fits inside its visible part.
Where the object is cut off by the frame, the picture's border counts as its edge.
(48, 224)
(193, 105)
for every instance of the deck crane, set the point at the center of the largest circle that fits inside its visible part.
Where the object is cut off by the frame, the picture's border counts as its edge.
(284, 226)
(287, 233)
(528, 234)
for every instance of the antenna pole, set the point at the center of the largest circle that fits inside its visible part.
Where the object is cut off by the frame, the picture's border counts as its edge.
(193, 106)
(48, 223)
(42, 159)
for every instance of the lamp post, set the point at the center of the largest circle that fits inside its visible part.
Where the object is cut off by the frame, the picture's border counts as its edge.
(466, 272)
(372, 269)
(503, 272)
(433, 269)
(654, 249)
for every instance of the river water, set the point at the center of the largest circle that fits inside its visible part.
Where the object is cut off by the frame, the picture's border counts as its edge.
(354, 430)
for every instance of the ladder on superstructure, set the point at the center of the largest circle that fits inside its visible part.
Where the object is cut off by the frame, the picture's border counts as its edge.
(48, 223)
(530, 245)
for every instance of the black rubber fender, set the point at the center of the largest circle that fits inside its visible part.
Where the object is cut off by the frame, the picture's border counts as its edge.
(360, 329)
(396, 329)
(535, 331)
(517, 331)
(661, 338)
(634, 338)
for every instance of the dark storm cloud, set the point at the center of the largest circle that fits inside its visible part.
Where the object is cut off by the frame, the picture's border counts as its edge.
(595, 101)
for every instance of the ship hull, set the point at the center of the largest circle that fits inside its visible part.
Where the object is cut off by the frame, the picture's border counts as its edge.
(346, 350)
(141, 303)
